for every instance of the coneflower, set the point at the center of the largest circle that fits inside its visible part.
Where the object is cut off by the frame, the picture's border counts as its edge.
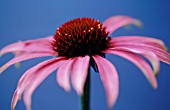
(78, 45)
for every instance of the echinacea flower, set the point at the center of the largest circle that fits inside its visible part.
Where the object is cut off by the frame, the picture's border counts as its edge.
(79, 44)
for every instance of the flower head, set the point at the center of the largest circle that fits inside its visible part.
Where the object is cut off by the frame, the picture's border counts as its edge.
(81, 43)
(80, 37)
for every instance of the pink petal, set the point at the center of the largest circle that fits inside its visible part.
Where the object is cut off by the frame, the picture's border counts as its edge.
(139, 62)
(151, 57)
(109, 78)
(115, 22)
(12, 48)
(38, 45)
(161, 54)
(30, 81)
(24, 57)
(148, 54)
(15, 99)
(79, 73)
(36, 81)
(63, 74)
(154, 60)
(139, 40)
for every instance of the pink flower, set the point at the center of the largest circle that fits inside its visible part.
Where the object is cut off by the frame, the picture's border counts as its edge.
(81, 43)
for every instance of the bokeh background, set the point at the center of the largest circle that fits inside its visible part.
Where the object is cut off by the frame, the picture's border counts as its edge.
(31, 19)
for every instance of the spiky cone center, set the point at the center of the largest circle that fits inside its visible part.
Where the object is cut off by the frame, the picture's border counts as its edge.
(80, 37)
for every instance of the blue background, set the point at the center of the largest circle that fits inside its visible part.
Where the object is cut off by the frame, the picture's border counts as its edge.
(31, 19)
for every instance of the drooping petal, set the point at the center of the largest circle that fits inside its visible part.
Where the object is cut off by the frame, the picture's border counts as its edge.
(15, 99)
(24, 57)
(79, 73)
(139, 40)
(109, 78)
(139, 62)
(38, 45)
(30, 78)
(147, 54)
(36, 81)
(151, 57)
(12, 48)
(154, 60)
(161, 54)
(115, 22)
(63, 74)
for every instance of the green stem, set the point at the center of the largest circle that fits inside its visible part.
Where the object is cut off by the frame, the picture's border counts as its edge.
(85, 98)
